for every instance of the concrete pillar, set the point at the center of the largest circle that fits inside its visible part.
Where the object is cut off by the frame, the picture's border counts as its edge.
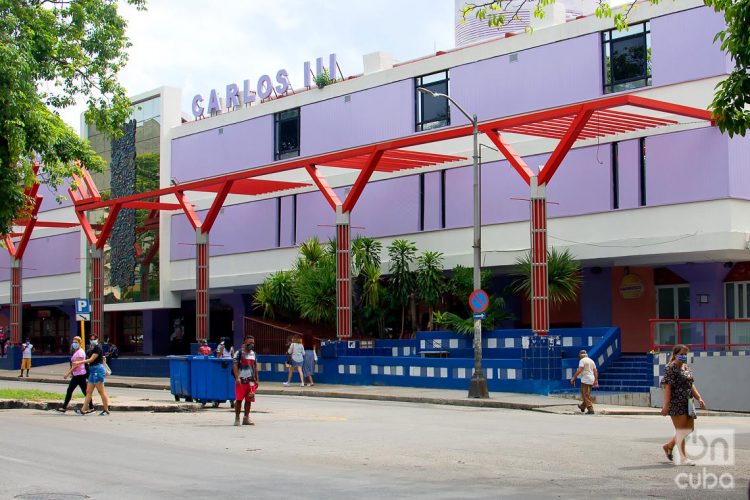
(539, 282)
(343, 274)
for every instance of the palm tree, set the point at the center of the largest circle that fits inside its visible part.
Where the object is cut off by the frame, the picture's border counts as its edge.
(311, 251)
(370, 279)
(430, 280)
(563, 276)
(365, 251)
(402, 254)
(315, 291)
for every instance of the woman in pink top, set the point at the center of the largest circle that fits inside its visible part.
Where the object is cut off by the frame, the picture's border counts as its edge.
(78, 373)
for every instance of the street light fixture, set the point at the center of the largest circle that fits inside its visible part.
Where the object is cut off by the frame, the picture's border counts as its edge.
(478, 384)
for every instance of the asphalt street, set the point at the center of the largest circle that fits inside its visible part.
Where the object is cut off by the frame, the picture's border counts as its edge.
(334, 448)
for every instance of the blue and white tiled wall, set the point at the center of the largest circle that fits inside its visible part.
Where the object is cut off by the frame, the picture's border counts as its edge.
(661, 359)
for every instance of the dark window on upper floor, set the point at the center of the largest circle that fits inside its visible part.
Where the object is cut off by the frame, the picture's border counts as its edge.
(432, 112)
(286, 134)
(626, 58)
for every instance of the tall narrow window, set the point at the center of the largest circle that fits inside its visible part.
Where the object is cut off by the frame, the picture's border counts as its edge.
(294, 219)
(286, 134)
(278, 222)
(642, 171)
(615, 176)
(442, 199)
(626, 58)
(432, 112)
(421, 202)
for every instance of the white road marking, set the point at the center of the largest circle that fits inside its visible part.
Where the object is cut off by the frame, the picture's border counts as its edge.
(17, 460)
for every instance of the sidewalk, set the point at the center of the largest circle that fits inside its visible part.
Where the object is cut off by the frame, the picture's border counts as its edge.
(530, 402)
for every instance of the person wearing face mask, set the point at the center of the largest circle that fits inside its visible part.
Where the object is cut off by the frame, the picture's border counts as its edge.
(245, 372)
(78, 373)
(680, 394)
(96, 377)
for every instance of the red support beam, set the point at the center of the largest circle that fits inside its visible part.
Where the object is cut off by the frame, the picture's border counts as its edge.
(362, 178)
(21, 247)
(152, 205)
(213, 212)
(188, 209)
(539, 279)
(564, 146)
(328, 193)
(668, 107)
(97, 290)
(16, 301)
(343, 275)
(511, 155)
(202, 304)
(109, 224)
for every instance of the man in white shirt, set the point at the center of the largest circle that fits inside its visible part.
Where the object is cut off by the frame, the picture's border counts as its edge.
(589, 379)
(26, 350)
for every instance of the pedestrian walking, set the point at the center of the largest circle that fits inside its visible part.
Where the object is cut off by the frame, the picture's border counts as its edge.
(296, 354)
(680, 395)
(76, 372)
(308, 365)
(97, 374)
(589, 379)
(26, 349)
(245, 372)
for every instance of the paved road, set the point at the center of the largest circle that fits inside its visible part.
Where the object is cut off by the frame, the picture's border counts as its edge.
(326, 448)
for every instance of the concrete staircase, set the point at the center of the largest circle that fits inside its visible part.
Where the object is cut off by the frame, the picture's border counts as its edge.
(629, 373)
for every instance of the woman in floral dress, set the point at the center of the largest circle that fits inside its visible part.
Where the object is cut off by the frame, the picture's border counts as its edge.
(679, 394)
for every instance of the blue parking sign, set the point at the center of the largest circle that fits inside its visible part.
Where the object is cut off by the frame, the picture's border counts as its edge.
(83, 306)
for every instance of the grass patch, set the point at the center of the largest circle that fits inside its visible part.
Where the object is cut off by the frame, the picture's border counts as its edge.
(33, 394)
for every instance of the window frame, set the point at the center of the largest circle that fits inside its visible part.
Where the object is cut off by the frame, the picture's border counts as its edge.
(606, 42)
(277, 120)
(419, 122)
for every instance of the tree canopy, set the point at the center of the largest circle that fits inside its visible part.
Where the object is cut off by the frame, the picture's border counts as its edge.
(730, 104)
(50, 53)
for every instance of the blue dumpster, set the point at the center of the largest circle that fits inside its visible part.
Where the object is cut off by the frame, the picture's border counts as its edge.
(179, 377)
(211, 380)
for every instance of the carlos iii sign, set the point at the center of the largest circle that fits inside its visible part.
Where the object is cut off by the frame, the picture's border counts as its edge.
(234, 97)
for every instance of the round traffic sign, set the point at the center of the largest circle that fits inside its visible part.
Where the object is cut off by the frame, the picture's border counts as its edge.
(479, 301)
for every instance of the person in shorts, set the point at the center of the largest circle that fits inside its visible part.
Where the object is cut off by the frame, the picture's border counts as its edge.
(26, 349)
(97, 373)
(245, 373)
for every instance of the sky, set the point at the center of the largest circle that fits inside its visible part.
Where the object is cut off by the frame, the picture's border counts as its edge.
(197, 45)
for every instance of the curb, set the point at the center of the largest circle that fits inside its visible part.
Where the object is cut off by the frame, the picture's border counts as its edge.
(127, 385)
(14, 404)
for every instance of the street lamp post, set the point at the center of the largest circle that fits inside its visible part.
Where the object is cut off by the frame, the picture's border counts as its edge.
(478, 384)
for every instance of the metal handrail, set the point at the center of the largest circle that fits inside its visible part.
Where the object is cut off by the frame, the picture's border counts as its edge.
(705, 344)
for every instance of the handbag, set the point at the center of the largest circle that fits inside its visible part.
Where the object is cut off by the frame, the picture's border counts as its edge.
(107, 370)
(288, 361)
(691, 408)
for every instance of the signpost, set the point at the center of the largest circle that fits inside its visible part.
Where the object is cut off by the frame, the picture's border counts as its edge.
(83, 313)
(479, 301)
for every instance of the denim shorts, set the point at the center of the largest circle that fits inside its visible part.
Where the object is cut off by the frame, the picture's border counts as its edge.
(295, 364)
(96, 374)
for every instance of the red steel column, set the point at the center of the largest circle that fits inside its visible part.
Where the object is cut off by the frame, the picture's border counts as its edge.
(201, 289)
(97, 291)
(539, 282)
(343, 274)
(16, 301)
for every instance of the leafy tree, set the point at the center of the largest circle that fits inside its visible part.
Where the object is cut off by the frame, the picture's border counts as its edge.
(563, 276)
(729, 106)
(430, 279)
(461, 283)
(49, 53)
(315, 291)
(402, 254)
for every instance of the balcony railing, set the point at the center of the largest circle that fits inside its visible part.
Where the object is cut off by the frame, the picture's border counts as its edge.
(701, 334)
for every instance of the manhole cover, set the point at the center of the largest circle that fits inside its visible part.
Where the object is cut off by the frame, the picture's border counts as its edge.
(51, 496)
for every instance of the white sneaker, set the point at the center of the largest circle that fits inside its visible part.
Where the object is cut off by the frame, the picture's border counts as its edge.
(285, 384)
(302, 385)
